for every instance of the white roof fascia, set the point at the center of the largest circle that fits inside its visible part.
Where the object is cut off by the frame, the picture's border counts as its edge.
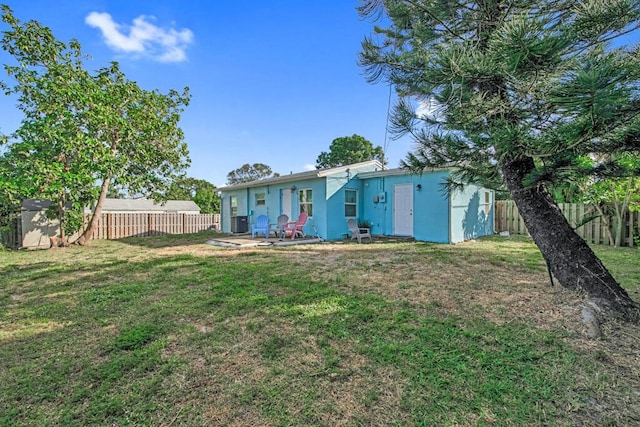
(398, 172)
(341, 169)
(320, 173)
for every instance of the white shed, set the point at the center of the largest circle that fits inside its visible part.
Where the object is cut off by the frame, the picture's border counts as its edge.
(37, 230)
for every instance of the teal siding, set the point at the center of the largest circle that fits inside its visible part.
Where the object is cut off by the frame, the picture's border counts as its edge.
(243, 208)
(430, 205)
(472, 213)
(273, 204)
(337, 225)
(436, 217)
(378, 214)
(328, 220)
(317, 224)
(336, 185)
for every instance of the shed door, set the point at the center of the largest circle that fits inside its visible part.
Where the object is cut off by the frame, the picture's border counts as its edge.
(285, 197)
(403, 210)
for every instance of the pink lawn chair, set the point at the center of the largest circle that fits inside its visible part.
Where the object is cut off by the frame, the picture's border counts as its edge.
(296, 227)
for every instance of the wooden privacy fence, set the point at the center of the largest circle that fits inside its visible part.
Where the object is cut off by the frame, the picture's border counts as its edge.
(508, 219)
(119, 225)
(11, 234)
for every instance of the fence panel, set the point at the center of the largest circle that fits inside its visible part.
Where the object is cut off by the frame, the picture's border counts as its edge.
(507, 218)
(11, 235)
(633, 229)
(120, 225)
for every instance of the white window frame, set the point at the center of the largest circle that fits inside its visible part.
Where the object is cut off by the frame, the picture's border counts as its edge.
(354, 204)
(487, 202)
(302, 201)
(233, 200)
(263, 199)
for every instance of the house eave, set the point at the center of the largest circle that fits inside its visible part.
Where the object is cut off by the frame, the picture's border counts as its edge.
(399, 172)
(270, 181)
(300, 176)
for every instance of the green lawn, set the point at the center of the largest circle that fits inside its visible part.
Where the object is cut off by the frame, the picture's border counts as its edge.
(170, 331)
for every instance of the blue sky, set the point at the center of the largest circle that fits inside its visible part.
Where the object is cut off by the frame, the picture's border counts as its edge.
(272, 82)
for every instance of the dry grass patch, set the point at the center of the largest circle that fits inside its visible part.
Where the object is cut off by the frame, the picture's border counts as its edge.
(460, 281)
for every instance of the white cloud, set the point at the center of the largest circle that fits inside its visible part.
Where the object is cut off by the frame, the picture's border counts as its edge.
(430, 109)
(309, 167)
(143, 37)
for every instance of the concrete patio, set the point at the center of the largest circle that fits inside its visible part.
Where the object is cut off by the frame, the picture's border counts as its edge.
(245, 241)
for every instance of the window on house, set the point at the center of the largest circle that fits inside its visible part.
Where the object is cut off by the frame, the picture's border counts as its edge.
(487, 202)
(350, 203)
(305, 200)
(260, 199)
(233, 204)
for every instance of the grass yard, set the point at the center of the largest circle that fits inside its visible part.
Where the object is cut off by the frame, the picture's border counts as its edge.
(168, 331)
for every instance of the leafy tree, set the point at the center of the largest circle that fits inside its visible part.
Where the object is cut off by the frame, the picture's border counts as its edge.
(347, 150)
(523, 90)
(202, 192)
(83, 128)
(9, 202)
(248, 173)
(612, 197)
(9, 189)
(115, 193)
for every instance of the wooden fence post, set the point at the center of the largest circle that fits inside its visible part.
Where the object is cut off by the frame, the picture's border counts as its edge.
(507, 218)
(118, 225)
(631, 228)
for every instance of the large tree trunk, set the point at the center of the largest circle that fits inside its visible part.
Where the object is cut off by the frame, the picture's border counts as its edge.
(61, 240)
(97, 211)
(572, 261)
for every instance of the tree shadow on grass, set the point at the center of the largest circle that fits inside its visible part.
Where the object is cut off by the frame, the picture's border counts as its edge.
(171, 240)
(25, 268)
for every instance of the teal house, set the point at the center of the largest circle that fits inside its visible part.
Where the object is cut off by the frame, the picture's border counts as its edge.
(393, 201)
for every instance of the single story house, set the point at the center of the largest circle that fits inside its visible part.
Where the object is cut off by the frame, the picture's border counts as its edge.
(37, 229)
(393, 201)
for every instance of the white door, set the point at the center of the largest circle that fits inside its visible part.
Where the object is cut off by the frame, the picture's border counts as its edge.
(285, 197)
(403, 210)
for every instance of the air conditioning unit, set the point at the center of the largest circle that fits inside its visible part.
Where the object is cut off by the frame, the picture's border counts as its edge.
(239, 224)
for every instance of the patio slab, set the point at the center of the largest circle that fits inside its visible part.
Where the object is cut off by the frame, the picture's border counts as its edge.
(245, 241)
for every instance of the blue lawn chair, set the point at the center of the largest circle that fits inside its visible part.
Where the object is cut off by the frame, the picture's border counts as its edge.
(261, 226)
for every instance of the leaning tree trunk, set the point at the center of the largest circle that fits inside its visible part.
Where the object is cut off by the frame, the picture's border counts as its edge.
(97, 211)
(571, 260)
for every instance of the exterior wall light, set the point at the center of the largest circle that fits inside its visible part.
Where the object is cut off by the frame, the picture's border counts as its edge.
(293, 188)
(419, 187)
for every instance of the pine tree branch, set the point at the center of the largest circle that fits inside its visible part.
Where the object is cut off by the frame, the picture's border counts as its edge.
(435, 18)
